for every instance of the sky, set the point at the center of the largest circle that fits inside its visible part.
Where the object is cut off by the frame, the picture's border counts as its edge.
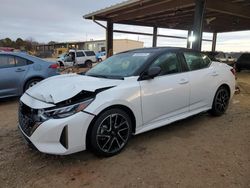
(61, 20)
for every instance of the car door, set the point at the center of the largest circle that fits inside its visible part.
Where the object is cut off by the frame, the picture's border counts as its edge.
(80, 57)
(203, 79)
(12, 72)
(167, 95)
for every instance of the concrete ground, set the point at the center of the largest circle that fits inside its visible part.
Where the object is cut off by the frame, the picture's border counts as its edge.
(201, 151)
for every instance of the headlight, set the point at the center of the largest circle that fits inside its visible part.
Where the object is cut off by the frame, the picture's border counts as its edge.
(63, 111)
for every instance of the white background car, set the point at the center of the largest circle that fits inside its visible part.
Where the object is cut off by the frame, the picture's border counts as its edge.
(128, 93)
(78, 57)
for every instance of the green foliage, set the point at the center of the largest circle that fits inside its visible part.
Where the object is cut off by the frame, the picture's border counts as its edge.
(21, 44)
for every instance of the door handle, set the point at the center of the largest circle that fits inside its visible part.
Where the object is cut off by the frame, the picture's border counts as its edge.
(183, 81)
(20, 70)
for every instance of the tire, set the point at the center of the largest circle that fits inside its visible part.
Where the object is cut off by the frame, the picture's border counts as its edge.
(31, 83)
(221, 101)
(99, 59)
(110, 132)
(88, 64)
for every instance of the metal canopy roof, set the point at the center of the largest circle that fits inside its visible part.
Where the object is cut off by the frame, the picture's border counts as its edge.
(220, 15)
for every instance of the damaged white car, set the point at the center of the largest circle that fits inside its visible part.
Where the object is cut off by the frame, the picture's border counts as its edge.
(127, 94)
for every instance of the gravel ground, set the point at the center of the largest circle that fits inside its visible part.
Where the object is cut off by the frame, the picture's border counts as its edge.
(201, 151)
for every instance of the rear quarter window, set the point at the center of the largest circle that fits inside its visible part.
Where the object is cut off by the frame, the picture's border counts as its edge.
(90, 53)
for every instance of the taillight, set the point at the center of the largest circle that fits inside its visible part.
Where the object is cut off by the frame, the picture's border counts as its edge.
(54, 66)
(233, 71)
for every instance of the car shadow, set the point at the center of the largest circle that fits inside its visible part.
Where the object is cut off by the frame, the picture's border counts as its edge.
(9, 100)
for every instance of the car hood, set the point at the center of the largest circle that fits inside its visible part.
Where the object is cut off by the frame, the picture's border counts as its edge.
(60, 88)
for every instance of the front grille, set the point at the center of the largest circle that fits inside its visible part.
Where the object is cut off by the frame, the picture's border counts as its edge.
(26, 118)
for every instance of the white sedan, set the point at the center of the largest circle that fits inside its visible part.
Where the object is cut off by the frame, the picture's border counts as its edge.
(127, 94)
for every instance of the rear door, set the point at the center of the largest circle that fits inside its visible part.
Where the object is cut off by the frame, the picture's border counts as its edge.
(12, 73)
(80, 57)
(203, 79)
(167, 95)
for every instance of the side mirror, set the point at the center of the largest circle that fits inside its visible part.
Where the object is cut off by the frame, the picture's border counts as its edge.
(151, 73)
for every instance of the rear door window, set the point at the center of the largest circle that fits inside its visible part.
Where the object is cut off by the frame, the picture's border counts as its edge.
(196, 61)
(80, 54)
(21, 61)
(7, 61)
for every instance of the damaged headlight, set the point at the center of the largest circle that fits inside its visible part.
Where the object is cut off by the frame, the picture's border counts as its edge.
(63, 112)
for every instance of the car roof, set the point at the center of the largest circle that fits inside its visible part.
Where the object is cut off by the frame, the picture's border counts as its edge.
(14, 53)
(159, 49)
(71, 50)
(26, 56)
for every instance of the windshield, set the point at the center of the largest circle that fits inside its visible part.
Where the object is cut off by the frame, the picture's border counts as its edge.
(120, 65)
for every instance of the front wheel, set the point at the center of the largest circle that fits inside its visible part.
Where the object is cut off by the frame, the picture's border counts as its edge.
(221, 101)
(110, 132)
(31, 83)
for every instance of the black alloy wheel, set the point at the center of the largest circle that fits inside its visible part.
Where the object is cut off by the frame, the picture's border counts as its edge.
(111, 132)
(221, 101)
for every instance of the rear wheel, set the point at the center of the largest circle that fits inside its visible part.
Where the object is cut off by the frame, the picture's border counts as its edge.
(88, 64)
(31, 83)
(111, 132)
(221, 101)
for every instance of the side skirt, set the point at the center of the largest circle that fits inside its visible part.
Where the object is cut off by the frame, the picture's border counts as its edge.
(161, 123)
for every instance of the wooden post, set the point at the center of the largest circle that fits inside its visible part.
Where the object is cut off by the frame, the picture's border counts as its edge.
(214, 42)
(198, 23)
(109, 39)
(188, 37)
(155, 32)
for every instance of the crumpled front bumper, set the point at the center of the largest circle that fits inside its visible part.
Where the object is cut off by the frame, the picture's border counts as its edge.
(59, 136)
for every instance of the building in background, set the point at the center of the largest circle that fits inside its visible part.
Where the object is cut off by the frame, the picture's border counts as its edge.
(55, 49)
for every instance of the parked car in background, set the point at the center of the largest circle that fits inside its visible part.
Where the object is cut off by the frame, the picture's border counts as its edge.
(222, 57)
(243, 63)
(78, 57)
(128, 93)
(20, 71)
(61, 56)
(100, 56)
(226, 58)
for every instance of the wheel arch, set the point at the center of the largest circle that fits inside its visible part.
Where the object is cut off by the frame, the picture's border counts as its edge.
(120, 106)
(88, 60)
(28, 79)
(227, 87)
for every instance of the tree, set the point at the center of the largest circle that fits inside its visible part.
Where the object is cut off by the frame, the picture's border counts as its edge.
(52, 42)
(7, 42)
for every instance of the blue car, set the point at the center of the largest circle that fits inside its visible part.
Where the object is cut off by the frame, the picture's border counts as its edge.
(20, 71)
